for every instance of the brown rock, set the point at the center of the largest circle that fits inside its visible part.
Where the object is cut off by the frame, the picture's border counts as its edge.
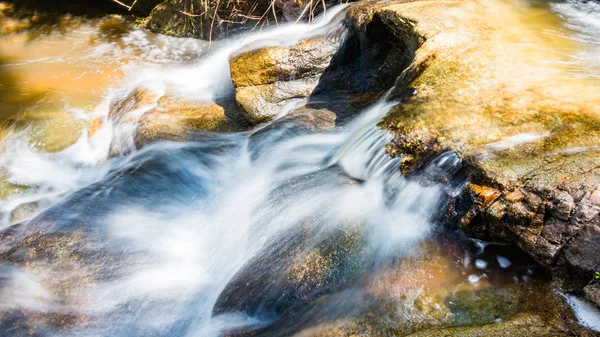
(266, 79)
(583, 251)
(592, 293)
(533, 143)
(562, 205)
(177, 119)
(484, 196)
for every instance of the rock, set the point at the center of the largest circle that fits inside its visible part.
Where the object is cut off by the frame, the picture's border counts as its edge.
(300, 121)
(428, 294)
(357, 65)
(137, 99)
(266, 79)
(29, 209)
(517, 134)
(95, 125)
(178, 119)
(146, 118)
(206, 20)
(124, 112)
(522, 325)
(592, 293)
(294, 271)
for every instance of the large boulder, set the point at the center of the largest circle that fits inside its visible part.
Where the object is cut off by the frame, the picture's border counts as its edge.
(343, 71)
(528, 130)
(293, 271)
(267, 79)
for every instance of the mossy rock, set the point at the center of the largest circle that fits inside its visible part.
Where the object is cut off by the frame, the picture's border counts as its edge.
(178, 119)
(268, 78)
(520, 125)
(521, 325)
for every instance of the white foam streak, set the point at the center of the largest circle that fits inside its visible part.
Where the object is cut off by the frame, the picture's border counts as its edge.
(587, 314)
(184, 254)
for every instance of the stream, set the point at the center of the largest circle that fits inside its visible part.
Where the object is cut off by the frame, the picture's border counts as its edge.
(267, 232)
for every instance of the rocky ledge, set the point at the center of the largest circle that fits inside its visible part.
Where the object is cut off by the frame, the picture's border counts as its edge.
(497, 92)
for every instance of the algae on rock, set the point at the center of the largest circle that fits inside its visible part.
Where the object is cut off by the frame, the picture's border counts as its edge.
(527, 129)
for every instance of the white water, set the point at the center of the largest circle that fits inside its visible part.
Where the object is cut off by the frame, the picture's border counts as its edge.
(181, 219)
(53, 175)
(582, 18)
(184, 218)
(587, 314)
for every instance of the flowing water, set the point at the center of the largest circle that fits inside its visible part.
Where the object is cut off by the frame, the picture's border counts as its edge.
(152, 243)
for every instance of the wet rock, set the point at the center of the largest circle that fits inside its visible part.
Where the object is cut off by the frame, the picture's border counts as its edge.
(430, 293)
(267, 79)
(206, 20)
(137, 99)
(146, 118)
(177, 119)
(484, 196)
(359, 64)
(293, 272)
(592, 293)
(51, 269)
(95, 125)
(522, 325)
(27, 210)
(535, 145)
(124, 112)
(300, 121)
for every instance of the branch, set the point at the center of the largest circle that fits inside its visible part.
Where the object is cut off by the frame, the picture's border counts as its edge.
(124, 5)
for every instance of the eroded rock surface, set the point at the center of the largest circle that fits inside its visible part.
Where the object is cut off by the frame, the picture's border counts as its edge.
(343, 71)
(267, 79)
(143, 117)
(528, 130)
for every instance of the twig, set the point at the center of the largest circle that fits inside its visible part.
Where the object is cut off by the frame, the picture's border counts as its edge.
(124, 5)
(303, 12)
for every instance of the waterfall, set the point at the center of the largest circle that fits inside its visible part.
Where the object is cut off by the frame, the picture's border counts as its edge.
(264, 232)
(168, 227)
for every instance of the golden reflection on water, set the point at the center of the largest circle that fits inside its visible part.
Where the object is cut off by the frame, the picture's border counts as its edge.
(51, 68)
(43, 77)
(559, 41)
(54, 71)
(46, 71)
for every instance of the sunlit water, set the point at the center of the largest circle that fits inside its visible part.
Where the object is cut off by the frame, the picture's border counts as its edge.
(145, 244)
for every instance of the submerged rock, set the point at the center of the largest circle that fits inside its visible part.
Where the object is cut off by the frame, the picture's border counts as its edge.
(429, 294)
(521, 325)
(528, 130)
(289, 275)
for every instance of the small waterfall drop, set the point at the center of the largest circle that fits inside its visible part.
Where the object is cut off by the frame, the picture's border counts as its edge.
(147, 244)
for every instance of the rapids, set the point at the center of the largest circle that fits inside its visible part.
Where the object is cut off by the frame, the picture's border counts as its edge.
(161, 232)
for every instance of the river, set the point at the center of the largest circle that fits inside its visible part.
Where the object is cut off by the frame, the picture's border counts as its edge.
(161, 241)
